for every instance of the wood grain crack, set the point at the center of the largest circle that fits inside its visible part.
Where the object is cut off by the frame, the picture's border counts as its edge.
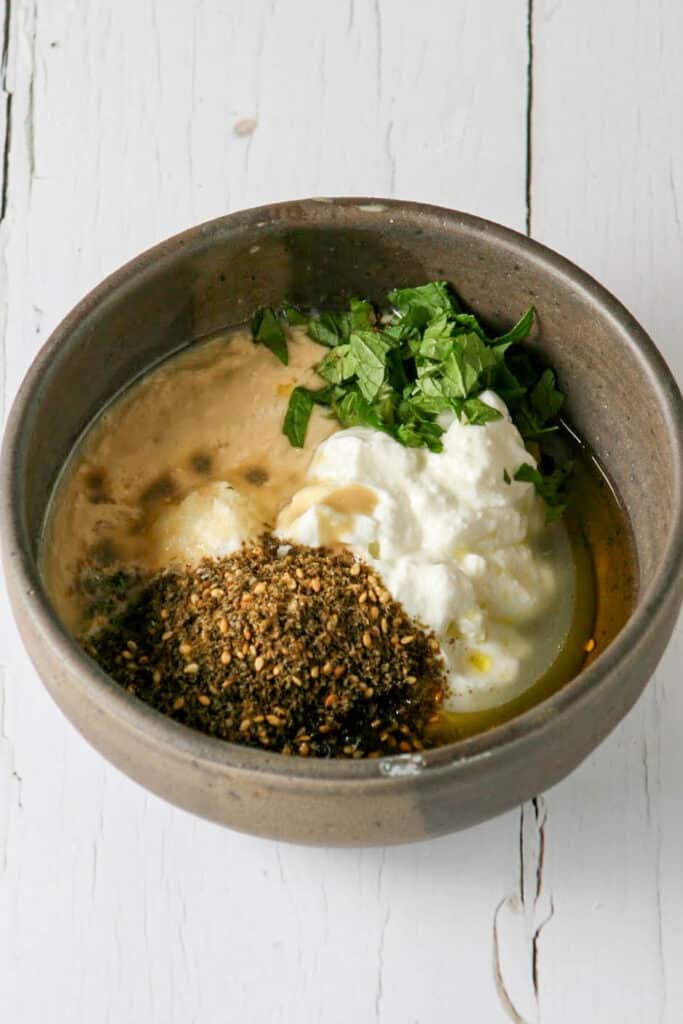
(7, 141)
(379, 47)
(499, 979)
(528, 185)
(30, 110)
(380, 968)
(519, 921)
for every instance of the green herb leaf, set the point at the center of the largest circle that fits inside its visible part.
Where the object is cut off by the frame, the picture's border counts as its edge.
(294, 316)
(478, 412)
(506, 477)
(338, 365)
(354, 410)
(321, 396)
(430, 404)
(422, 304)
(420, 435)
(519, 332)
(330, 328)
(400, 333)
(370, 355)
(550, 486)
(362, 315)
(505, 383)
(437, 340)
(470, 323)
(466, 364)
(267, 329)
(545, 398)
(297, 416)
(536, 413)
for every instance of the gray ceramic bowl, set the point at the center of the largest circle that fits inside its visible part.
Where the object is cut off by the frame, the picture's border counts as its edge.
(622, 399)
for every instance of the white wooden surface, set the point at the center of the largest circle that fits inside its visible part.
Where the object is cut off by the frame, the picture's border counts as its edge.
(124, 122)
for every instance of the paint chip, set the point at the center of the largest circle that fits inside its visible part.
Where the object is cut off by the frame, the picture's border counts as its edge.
(245, 126)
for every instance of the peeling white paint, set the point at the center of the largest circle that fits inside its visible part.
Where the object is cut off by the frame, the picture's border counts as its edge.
(403, 764)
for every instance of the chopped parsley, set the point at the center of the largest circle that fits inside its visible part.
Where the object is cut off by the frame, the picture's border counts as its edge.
(266, 328)
(399, 372)
(552, 487)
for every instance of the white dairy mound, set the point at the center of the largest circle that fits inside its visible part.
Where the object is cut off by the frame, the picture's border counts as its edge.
(458, 546)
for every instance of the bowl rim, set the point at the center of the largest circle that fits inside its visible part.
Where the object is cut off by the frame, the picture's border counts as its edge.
(654, 604)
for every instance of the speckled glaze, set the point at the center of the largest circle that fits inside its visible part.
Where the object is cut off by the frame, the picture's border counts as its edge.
(622, 399)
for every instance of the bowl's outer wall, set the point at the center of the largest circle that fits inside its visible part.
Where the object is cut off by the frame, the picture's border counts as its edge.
(623, 402)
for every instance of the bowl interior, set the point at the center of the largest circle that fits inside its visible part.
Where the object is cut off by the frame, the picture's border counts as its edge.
(318, 254)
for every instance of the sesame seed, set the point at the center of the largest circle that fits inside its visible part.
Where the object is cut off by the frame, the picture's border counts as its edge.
(309, 675)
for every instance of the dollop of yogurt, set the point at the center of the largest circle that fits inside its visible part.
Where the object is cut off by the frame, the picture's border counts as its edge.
(452, 539)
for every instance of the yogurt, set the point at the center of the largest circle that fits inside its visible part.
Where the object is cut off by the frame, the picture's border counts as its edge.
(465, 551)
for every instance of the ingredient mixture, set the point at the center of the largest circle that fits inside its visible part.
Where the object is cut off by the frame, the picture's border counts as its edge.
(341, 534)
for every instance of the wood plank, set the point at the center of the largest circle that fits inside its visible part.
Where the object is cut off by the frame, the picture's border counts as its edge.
(608, 192)
(131, 121)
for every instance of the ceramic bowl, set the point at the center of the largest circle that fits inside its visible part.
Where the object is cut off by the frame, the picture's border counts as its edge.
(621, 398)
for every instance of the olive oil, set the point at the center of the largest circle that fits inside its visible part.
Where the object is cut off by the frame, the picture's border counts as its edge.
(605, 586)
